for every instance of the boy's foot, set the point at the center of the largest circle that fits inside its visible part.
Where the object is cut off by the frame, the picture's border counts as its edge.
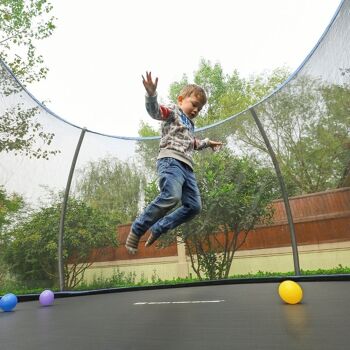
(132, 243)
(151, 239)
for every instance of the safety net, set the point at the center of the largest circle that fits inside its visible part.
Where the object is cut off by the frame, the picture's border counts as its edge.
(275, 198)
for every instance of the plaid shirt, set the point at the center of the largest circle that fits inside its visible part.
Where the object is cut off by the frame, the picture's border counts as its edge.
(177, 139)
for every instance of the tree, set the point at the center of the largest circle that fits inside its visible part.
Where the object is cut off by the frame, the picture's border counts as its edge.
(243, 93)
(228, 94)
(307, 124)
(148, 149)
(22, 133)
(22, 24)
(145, 130)
(236, 195)
(9, 205)
(31, 246)
(337, 99)
(112, 186)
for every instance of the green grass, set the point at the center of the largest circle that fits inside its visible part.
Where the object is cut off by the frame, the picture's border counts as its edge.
(334, 271)
(121, 279)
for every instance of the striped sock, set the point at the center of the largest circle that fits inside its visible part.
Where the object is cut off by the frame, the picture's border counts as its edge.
(132, 243)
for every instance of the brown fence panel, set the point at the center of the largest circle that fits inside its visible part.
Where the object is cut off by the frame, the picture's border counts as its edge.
(322, 217)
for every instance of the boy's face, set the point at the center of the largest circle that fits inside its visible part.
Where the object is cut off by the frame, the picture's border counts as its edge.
(190, 105)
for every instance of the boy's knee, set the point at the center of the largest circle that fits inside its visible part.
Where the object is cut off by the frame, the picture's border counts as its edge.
(196, 208)
(171, 202)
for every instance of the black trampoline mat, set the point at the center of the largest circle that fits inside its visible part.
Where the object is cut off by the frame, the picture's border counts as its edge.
(238, 316)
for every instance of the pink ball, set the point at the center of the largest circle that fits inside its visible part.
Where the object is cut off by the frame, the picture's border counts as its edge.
(46, 297)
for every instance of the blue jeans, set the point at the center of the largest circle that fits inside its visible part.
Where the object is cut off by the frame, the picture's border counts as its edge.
(177, 183)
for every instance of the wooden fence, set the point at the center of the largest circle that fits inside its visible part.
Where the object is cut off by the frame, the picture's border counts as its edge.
(319, 218)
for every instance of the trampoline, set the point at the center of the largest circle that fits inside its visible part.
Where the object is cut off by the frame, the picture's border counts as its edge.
(231, 314)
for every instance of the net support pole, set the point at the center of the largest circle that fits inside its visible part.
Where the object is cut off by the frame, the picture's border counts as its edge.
(63, 211)
(283, 190)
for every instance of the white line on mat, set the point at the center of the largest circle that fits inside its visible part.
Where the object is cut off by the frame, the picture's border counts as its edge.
(178, 302)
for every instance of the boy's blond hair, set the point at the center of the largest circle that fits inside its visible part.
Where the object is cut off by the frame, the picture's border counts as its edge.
(198, 91)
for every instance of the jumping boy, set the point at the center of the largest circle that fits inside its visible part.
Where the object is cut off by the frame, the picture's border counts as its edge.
(177, 181)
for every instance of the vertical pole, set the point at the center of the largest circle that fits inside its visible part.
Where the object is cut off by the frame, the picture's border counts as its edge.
(63, 211)
(283, 190)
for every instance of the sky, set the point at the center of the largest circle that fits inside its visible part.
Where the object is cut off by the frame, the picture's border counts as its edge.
(100, 50)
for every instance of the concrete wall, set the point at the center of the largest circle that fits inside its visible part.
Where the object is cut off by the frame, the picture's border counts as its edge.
(312, 257)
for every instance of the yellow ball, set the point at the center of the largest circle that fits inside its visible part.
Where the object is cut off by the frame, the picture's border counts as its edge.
(290, 292)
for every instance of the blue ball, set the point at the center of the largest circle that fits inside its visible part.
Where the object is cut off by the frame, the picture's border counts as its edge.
(8, 302)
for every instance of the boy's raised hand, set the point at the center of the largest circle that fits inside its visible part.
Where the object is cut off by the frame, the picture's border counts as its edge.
(149, 85)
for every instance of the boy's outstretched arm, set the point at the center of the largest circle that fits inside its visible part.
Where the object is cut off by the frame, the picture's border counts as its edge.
(155, 110)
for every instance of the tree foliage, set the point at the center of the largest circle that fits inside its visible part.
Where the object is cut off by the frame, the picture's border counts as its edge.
(31, 246)
(228, 94)
(307, 122)
(22, 133)
(22, 25)
(337, 99)
(112, 186)
(145, 130)
(307, 125)
(148, 150)
(10, 204)
(236, 195)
